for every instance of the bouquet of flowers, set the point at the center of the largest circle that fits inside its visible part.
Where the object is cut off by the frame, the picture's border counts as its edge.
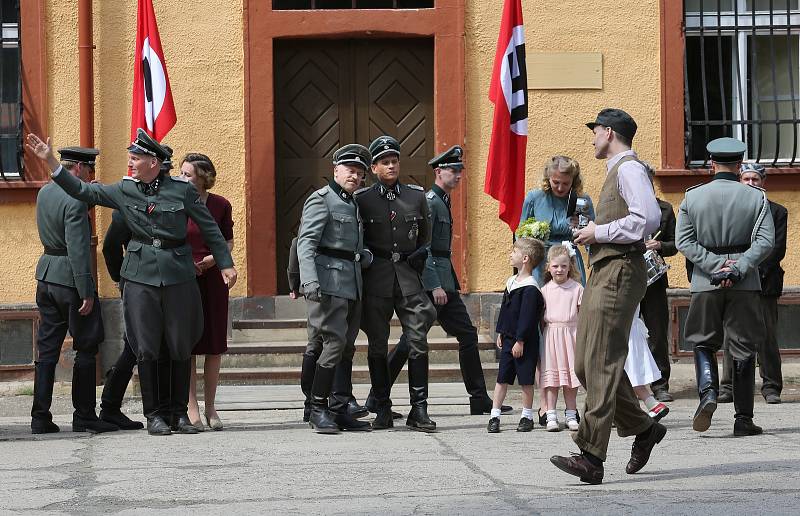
(533, 228)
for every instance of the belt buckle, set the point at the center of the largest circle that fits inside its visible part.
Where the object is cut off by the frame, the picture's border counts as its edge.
(395, 256)
(157, 243)
(357, 257)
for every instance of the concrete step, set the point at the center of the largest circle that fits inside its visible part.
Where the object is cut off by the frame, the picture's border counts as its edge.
(297, 347)
(282, 330)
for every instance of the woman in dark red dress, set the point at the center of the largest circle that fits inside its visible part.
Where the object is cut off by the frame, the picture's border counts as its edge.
(200, 171)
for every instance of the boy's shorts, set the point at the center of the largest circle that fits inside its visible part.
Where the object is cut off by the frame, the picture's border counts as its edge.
(522, 368)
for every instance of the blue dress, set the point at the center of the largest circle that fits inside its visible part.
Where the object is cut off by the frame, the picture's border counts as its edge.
(547, 207)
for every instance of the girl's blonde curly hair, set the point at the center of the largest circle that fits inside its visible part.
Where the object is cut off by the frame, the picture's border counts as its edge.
(561, 250)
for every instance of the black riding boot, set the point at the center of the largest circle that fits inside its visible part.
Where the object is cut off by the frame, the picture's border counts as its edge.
(382, 405)
(321, 419)
(181, 376)
(116, 383)
(306, 381)
(84, 418)
(149, 385)
(396, 360)
(342, 400)
(705, 366)
(165, 390)
(744, 372)
(472, 372)
(418, 392)
(41, 418)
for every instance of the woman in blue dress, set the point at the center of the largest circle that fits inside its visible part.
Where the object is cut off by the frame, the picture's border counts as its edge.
(549, 204)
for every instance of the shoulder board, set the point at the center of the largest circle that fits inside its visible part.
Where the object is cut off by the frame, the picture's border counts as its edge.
(361, 191)
(322, 191)
(430, 195)
(695, 186)
(416, 187)
(179, 178)
(129, 178)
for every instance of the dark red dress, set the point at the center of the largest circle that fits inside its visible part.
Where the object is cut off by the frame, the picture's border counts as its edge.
(213, 291)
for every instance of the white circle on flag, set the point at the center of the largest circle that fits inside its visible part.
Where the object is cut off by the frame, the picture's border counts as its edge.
(158, 82)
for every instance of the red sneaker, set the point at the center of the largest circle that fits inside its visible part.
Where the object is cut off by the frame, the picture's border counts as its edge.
(658, 411)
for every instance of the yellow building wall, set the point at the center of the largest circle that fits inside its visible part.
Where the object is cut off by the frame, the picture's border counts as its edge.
(203, 47)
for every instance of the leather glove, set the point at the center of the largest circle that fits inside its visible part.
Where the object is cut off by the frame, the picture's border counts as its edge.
(718, 277)
(417, 259)
(312, 291)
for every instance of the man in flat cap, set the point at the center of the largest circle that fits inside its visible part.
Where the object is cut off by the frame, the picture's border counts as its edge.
(397, 231)
(725, 229)
(626, 213)
(161, 301)
(771, 275)
(67, 298)
(330, 250)
(441, 284)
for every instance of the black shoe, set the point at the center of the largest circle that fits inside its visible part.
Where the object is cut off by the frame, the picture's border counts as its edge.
(418, 420)
(663, 395)
(355, 410)
(643, 446)
(494, 426)
(384, 418)
(725, 397)
(580, 466)
(745, 426)
(42, 426)
(543, 418)
(121, 420)
(94, 426)
(322, 421)
(183, 425)
(772, 398)
(348, 423)
(157, 426)
(702, 416)
(525, 425)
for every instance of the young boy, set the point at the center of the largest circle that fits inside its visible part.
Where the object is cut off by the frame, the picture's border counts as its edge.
(518, 332)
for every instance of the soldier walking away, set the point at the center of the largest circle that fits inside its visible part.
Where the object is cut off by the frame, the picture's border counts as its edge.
(67, 298)
(725, 229)
(397, 231)
(161, 300)
(331, 253)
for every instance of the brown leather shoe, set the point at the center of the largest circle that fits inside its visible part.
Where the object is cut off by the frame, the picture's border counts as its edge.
(640, 453)
(578, 465)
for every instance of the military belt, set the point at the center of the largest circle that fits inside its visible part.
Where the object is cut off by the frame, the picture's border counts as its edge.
(53, 251)
(339, 253)
(393, 256)
(440, 254)
(160, 243)
(729, 249)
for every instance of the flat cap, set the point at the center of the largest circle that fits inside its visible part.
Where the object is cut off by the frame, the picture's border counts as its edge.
(451, 158)
(86, 155)
(758, 168)
(726, 150)
(146, 144)
(618, 120)
(352, 154)
(383, 145)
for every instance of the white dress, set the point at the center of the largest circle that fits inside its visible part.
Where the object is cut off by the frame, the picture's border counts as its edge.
(640, 366)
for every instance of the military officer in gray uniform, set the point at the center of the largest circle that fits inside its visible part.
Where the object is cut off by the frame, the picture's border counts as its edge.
(725, 229)
(67, 299)
(161, 301)
(441, 284)
(330, 248)
(397, 231)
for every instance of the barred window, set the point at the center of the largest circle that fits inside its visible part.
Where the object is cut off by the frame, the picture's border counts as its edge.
(10, 92)
(282, 5)
(743, 78)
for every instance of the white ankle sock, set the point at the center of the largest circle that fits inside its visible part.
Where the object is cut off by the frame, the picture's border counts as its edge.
(528, 413)
(571, 414)
(650, 402)
(551, 415)
(495, 412)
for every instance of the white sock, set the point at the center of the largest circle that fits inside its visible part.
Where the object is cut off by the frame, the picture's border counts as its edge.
(495, 412)
(527, 413)
(551, 415)
(650, 402)
(571, 414)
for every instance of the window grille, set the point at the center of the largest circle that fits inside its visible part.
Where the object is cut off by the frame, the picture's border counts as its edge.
(742, 78)
(10, 92)
(283, 5)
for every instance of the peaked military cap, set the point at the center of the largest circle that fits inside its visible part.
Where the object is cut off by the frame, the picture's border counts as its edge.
(758, 168)
(146, 144)
(726, 150)
(352, 154)
(618, 120)
(167, 165)
(451, 158)
(86, 155)
(383, 145)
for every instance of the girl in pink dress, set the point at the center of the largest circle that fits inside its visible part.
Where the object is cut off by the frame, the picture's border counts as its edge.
(562, 294)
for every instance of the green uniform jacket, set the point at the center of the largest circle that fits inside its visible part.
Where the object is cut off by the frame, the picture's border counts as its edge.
(439, 272)
(724, 213)
(396, 219)
(176, 200)
(63, 223)
(330, 221)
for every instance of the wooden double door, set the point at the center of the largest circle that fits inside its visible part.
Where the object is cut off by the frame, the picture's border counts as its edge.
(332, 92)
